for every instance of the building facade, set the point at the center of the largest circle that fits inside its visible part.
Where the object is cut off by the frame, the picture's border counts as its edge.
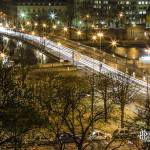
(115, 13)
(37, 9)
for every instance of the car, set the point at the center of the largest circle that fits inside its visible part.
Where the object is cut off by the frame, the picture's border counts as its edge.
(99, 135)
(67, 138)
(125, 133)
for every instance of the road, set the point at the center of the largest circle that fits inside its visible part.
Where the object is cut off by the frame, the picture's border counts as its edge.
(77, 58)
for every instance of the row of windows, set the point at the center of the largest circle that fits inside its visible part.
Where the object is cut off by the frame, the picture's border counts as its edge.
(39, 10)
(121, 2)
(39, 4)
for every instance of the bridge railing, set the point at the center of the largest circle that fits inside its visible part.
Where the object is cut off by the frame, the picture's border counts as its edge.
(68, 53)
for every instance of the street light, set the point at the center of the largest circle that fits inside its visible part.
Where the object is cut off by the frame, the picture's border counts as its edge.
(100, 35)
(52, 15)
(121, 14)
(22, 15)
(113, 44)
(65, 30)
(33, 33)
(28, 23)
(79, 33)
(94, 37)
(35, 24)
(44, 25)
(54, 26)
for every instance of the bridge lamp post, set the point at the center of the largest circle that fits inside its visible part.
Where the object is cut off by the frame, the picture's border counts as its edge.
(94, 39)
(28, 24)
(79, 33)
(86, 21)
(65, 29)
(44, 27)
(54, 28)
(100, 35)
(134, 65)
(114, 45)
(35, 25)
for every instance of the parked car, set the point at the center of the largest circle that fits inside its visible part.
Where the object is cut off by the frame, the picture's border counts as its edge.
(99, 135)
(67, 138)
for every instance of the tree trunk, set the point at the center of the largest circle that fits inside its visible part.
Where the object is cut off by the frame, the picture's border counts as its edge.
(105, 110)
(122, 115)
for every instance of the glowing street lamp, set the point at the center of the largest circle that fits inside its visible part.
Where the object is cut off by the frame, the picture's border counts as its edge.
(44, 25)
(94, 37)
(113, 44)
(28, 23)
(79, 33)
(35, 24)
(2, 55)
(121, 14)
(22, 15)
(100, 35)
(52, 15)
(54, 26)
(87, 16)
(65, 29)
(33, 33)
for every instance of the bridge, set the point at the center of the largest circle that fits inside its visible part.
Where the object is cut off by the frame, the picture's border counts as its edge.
(73, 56)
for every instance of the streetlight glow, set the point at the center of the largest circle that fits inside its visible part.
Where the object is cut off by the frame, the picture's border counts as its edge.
(44, 25)
(79, 33)
(52, 15)
(22, 14)
(28, 23)
(100, 34)
(65, 29)
(35, 24)
(114, 43)
(54, 26)
(93, 37)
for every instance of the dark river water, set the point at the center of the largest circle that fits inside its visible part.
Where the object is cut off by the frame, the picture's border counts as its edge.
(131, 52)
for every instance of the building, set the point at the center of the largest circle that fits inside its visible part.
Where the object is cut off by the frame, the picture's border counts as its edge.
(4, 6)
(116, 13)
(37, 9)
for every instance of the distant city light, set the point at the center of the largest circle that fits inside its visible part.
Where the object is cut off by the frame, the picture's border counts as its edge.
(114, 43)
(79, 33)
(22, 14)
(100, 34)
(65, 29)
(52, 15)
(54, 26)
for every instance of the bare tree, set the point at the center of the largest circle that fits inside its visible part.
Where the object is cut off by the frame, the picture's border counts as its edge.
(124, 90)
(104, 90)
